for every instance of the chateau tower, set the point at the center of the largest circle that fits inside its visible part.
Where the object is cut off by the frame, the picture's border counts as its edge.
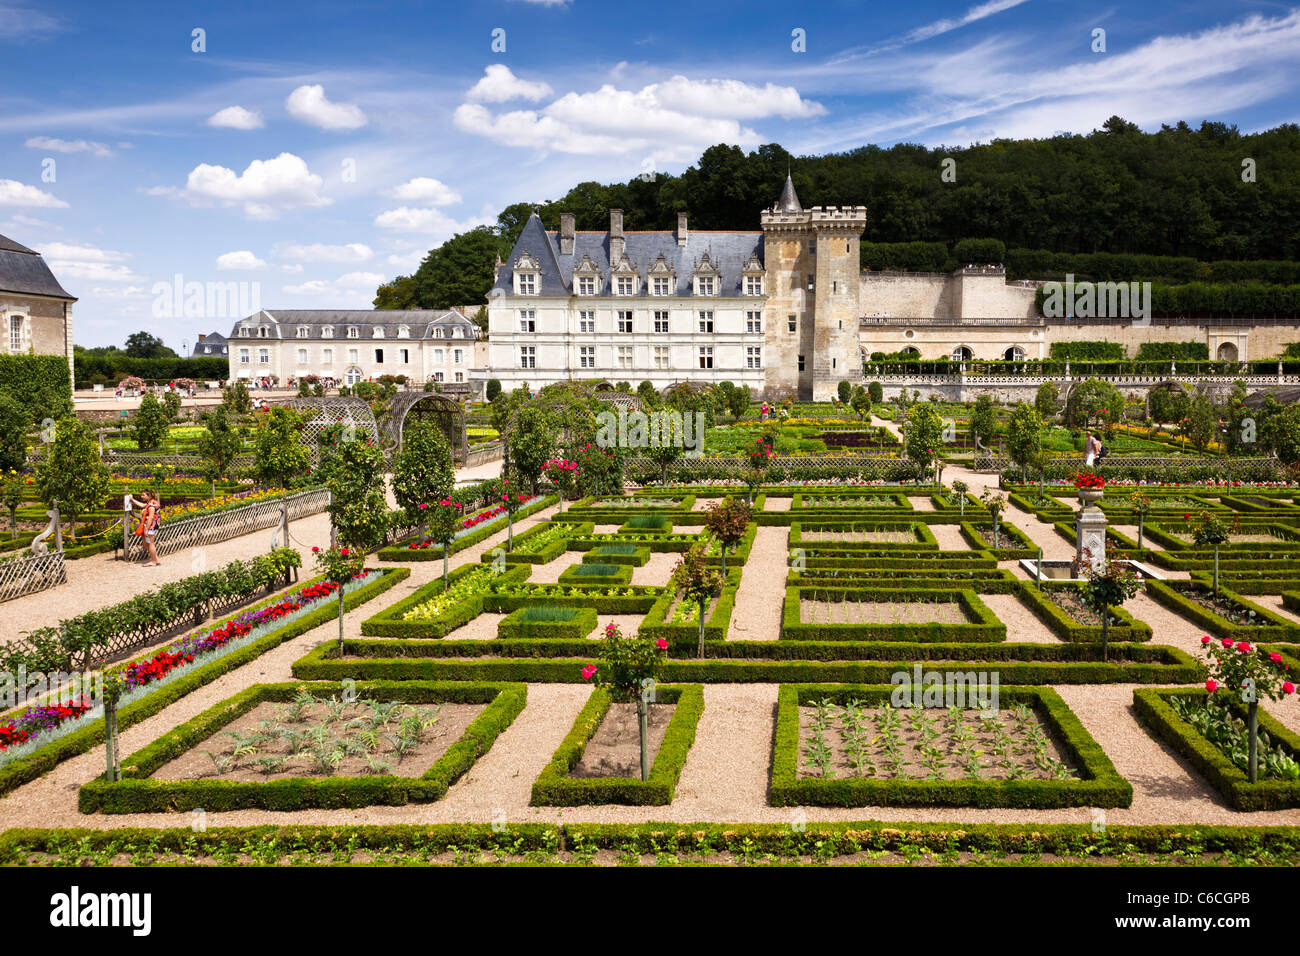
(811, 321)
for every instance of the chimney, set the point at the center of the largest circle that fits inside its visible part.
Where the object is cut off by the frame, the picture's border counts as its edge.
(496, 268)
(615, 236)
(202, 336)
(566, 233)
(682, 232)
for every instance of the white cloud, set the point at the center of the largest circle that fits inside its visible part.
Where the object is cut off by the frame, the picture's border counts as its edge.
(265, 189)
(14, 193)
(236, 117)
(241, 260)
(76, 261)
(125, 292)
(308, 104)
(68, 146)
(972, 15)
(18, 21)
(433, 224)
(347, 291)
(409, 261)
(318, 252)
(424, 189)
(499, 84)
(670, 120)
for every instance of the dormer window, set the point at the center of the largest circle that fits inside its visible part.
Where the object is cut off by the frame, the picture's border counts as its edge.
(527, 275)
(627, 285)
(261, 331)
(661, 277)
(245, 330)
(753, 276)
(753, 285)
(327, 332)
(302, 331)
(586, 285)
(707, 278)
(586, 277)
(353, 332)
(437, 333)
(528, 284)
(403, 331)
(378, 333)
(661, 285)
(706, 285)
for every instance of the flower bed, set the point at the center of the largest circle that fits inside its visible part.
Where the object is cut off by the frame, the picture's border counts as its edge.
(597, 574)
(547, 622)
(1013, 544)
(1229, 615)
(541, 544)
(1095, 783)
(861, 536)
(137, 793)
(431, 613)
(1062, 609)
(936, 615)
(556, 787)
(418, 549)
(618, 553)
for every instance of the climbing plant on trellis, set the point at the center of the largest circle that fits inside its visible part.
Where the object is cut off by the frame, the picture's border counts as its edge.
(410, 407)
(323, 413)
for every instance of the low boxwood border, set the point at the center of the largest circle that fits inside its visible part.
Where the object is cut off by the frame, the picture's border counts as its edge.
(514, 627)
(1023, 548)
(555, 788)
(585, 575)
(981, 581)
(401, 552)
(1152, 707)
(1100, 784)
(138, 793)
(42, 761)
(1125, 627)
(600, 554)
(1278, 628)
(984, 627)
(715, 627)
(924, 539)
(545, 556)
(389, 622)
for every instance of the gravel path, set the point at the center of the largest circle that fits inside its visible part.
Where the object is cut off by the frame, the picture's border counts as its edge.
(757, 615)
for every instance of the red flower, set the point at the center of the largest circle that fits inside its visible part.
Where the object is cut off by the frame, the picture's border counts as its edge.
(1205, 639)
(1288, 687)
(661, 644)
(1211, 685)
(589, 672)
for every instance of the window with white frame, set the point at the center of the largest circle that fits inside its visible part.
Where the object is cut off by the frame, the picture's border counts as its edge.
(405, 355)
(438, 356)
(437, 333)
(586, 285)
(262, 331)
(460, 376)
(527, 283)
(624, 321)
(626, 285)
(245, 330)
(586, 322)
(528, 356)
(302, 356)
(354, 332)
(327, 357)
(753, 285)
(753, 321)
(753, 357)
(661, 322)
(706, 322)
(706, 285)
(527, 320)
(302, 331)
(625, 356)
(354, 356)
(403, 331)
(15, 333)
(586, 356)
(327, 332)
(378, 333)
(662, 285)
(458, 356)
(439, 376)
(661, 356)
(706, 356)
(243, 356)
(263, 356)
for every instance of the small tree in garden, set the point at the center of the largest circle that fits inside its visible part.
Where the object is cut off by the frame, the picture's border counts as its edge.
(629, 668)
(219, 443)
(339, 565)
(738, 401)
(960, 488)
(531, 440)
(1141, 502)
(1239, 667)
(996, 504)
(1210, 529)
(236, 397)
(699, 583)
(922, 434)
(1024, 437)
(1047, 400)
(171, 403)
(12, 491)
(422, 471)
(1108, 586)
(663, 452)
(727, 521)
(860, 402)
(13, 434)
(279, 456)
(512, 500)
(844, 392)
(72, 473)
(984, 419)
(358, 509)
(113, 686)
(760, 456)
(444, 521)
(563, 474)
(149, 428)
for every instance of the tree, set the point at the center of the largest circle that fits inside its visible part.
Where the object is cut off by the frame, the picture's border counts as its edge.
(1168, 403)
(13, 435)
(738, 401)
(531, 440)
(149, 428)
(399, 293)
(648, 394)
(844, 391)
(358, 510)
(423, 471)
(444, 521)
(727, 521)
(628, 669)
(171, 402)
(861, 403)
(279, 456)
(1251, 672)
(959, 489)
(996, 504)
(1047, 401)
(1199, 425)
(1024, 436)
(1282, 432)
(984, 419)
(1210, 529)
(877, 392)
(1108, 586)
(922, 436)
(219, 443)
(146, 346)
(1095, 400)
(236, 398)
(459, 271)
(699, 583)
(72, 473)
(493, 389)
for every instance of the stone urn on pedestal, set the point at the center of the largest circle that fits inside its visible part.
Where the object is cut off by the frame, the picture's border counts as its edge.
(1090, 525)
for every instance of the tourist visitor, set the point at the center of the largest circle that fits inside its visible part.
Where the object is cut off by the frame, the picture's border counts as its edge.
(1090, 450)
(150, 519)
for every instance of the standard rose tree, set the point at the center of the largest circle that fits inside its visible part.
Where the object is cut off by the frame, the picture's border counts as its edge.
(563, 474)
(1107, 587)
(510, 501)
(698, 582)
(1213, 530)
(444, 519)
(339, 565)
(760, 457)
(727, 522)
(629, 668)
(1239, 667)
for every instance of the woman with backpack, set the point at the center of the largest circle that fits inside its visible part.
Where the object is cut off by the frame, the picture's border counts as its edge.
(150, 519)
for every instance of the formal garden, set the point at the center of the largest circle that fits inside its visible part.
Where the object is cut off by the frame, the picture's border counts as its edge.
(779, 654)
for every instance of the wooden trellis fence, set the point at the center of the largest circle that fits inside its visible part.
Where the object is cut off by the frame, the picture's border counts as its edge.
(224, 525)
(31, 573)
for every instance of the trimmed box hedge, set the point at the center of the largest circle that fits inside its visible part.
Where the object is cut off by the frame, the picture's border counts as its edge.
(554, 787)
(1013, 544)
(1099, 785)
(618, 553)
(138, 793)
(527, 624)
(389, 622)
(687, 635)
(546, 554)
(1276, 628)
(402, 552)
(923, 538)
(593, 575)
(981, 581)
(1152, 707)
(982, 623)
(1124, 626)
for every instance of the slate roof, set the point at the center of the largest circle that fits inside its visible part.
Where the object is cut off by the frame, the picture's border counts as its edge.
(728, 251)
(24, 271)
(283, 323)
(789, 201)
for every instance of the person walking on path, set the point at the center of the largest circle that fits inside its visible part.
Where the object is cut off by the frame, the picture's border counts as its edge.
(148, 527)
(1090, 450)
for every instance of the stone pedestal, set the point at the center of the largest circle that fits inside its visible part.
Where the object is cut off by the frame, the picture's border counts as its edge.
(1090, 528)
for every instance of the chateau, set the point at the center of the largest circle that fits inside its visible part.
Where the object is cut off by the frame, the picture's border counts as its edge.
(35, 309)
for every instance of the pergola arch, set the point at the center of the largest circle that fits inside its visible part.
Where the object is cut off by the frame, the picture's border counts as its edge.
(446, 412)
(322, 413)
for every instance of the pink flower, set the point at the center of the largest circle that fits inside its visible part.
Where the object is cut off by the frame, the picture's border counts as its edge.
(1243, 647)
(315, 550)
(1211, 685)
(661, 644)
(1275, 658)
(343, 551)
(423, 505)
(589, 672)
(1205, 639)
(1227, 642)
(1288, 687)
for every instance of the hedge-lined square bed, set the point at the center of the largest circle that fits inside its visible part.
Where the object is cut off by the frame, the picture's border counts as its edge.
(1062, 609)
(839, 727)
(369, 774)
(547, 621)
(1228, 615)
(599, 761)
(597, 574)
(862, 536)
(1159, 709)
(618, 552)
(888, 614)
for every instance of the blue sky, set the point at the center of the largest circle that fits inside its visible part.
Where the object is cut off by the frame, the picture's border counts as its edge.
(319, 149)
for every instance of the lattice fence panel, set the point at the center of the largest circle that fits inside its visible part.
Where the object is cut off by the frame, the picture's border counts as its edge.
(224, 525)
(31, 573)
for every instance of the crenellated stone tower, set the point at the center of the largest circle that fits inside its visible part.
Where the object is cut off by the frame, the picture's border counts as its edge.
(812, 284)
